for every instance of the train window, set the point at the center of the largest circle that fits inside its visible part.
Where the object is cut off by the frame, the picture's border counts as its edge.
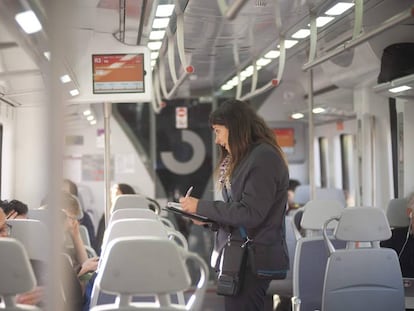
(347, 163)
(323, 160)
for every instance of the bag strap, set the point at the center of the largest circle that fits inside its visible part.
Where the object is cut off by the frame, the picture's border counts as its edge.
(244, 235)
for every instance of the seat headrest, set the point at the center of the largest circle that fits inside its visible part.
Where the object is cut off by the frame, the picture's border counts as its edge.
(133, 227)
(143, 265)
(397, 213)
(130, 201)
(363, 224)
(33, 235)
(317, 212)
(16, 272)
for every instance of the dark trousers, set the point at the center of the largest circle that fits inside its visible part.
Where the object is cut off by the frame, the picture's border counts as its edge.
(252, 296)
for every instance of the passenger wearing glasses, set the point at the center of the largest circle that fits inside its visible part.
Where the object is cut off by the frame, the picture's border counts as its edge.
(35, 296)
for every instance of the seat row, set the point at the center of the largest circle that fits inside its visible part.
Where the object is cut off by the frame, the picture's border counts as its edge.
(330, 266)
(144, 262)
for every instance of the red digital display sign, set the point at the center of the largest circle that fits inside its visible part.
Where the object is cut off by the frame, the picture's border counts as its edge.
(118, 73)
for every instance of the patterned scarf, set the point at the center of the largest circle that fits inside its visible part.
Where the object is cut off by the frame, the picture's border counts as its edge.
(224, 179)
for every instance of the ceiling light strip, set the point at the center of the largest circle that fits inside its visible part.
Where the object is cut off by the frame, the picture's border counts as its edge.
(395, 20)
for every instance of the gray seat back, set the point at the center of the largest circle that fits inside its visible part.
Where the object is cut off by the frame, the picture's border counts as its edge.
(362, 277)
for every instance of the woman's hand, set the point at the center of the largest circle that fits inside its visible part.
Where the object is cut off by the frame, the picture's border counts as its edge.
(189, 205)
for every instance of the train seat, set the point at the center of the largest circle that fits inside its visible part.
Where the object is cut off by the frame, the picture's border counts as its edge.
(362, 278)
(33, 235)
(16, 274)
(41, 214)
(141, 227)
(132, 201)
(311, 254)
(397, 213)
(125, 213)
(136, 227)
(302, 194)
(161, 272)
(284, 287)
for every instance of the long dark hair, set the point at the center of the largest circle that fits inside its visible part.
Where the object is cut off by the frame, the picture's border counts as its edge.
(126, 189)
(245, 127)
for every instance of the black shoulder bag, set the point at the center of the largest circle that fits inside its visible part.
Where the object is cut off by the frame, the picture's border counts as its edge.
(267, 261)
(232, 266)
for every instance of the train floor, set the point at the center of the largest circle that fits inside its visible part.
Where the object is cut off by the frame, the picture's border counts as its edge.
(214, 302)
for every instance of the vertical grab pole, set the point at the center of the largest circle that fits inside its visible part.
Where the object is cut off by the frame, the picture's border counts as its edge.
(311, 134)
(107, 107)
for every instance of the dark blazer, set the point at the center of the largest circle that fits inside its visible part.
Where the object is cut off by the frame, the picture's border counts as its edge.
(396, 242)
(257, 201)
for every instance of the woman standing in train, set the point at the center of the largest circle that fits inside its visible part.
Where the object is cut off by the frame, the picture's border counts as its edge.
(253, 176)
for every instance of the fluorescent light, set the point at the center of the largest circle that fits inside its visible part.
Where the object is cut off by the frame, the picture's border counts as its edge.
(272, 54)
(301, 34)
(90, 118)
(164, 10)
(263, 61)
(297, 116)
(226, 87)
(400, 89)
(246, 74)
(87, 112)
(65, 79)
(154, 55)
(323, 20)
(28, 21)
(233, 82)
(153, 62)
(154, 45)
(318, 110)
(339, 8)
(157, 34)
(289, 43)
(160, 22)
(93, 122)
(74, 92)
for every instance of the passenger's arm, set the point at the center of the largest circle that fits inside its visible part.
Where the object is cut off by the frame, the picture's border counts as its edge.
(80, 250)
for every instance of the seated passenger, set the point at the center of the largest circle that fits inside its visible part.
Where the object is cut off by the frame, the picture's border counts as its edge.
(116, 189)
(402, 242)
(14, 209)
(70, 186)
(293, 183)
(34, 297)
